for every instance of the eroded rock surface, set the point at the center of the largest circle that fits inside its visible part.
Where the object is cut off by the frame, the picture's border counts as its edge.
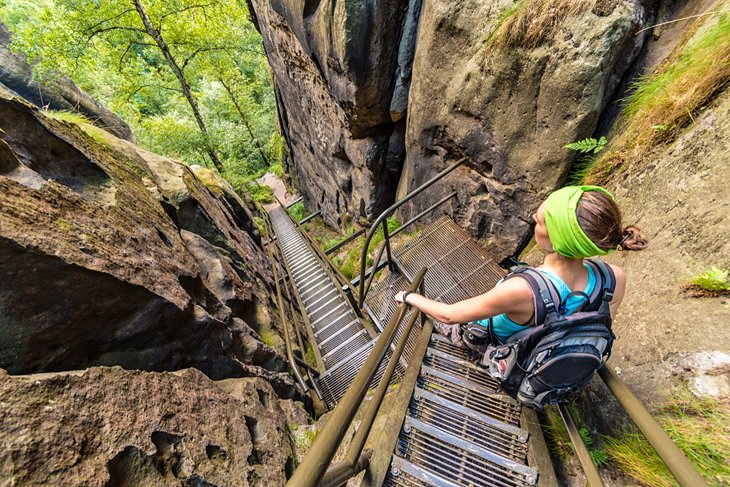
(510, 111)
(111, 427)
(110, 255)
(335, 65)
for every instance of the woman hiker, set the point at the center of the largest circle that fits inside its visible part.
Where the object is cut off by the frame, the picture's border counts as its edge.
(574, 223)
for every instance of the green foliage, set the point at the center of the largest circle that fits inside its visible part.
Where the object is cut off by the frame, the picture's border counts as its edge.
(105, 48)
(298, 212)
(713, 280)
(701, 429)
(350, 264)
(260, 192)
(588, 145)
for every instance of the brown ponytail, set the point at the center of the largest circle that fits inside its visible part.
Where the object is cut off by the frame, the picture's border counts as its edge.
(600, 218)
(633, 239)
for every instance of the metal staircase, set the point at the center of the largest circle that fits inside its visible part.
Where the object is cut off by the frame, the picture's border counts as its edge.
(457, 429)
(343, 340)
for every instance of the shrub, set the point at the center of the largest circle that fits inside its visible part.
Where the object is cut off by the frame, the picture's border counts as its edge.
(713, 280)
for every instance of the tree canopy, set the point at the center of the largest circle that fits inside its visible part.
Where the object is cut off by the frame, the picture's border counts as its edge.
(189, 76)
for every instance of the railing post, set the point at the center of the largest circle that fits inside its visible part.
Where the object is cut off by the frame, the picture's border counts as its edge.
(319, 456)
(389, 211)
(391, 264)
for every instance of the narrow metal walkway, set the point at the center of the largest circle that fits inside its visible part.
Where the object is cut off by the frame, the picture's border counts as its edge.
(457, 430)
(343, 341)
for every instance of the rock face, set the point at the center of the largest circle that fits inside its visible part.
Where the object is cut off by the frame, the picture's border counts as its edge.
(508, 110)
(110, 255)
(59, 93)
(336, 66)
(343, 75)
(111, 427)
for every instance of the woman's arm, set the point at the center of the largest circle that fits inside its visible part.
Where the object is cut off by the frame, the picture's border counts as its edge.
(512, 296)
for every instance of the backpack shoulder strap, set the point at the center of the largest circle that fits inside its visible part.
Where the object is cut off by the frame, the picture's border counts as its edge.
(605, 280)
(544, 294)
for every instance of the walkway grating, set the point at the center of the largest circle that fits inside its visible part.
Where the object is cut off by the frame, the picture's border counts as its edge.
(459, 430)
(342, 339)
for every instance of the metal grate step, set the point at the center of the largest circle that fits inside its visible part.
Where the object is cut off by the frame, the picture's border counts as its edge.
(458, 460)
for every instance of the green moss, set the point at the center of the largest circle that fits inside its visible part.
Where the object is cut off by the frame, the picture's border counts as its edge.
(309, 355)
(63, 224)
(99, 135)
(306, 438)
(269, 337)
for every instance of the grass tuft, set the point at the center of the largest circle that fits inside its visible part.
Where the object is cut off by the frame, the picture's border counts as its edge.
(350, 264)
(298, 211)
(713, 280)
(663, 103)
(699, 426)
(531, 23)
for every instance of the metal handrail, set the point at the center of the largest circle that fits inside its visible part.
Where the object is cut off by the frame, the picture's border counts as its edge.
(669, 452)
(285, 323)
(318, 458)
(383, 219)
(592, 475)
(353, 459)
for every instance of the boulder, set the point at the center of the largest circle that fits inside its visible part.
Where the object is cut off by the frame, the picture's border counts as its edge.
(111, 255)
(112, 427)
(510, 110)
(57, 92)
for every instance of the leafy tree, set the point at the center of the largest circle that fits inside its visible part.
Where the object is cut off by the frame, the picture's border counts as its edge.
(190, 76)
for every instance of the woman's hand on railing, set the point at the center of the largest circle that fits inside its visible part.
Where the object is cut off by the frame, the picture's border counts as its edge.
(401, 297)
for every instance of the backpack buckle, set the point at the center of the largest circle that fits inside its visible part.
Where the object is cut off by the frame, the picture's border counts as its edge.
(607, 294)
(547, 300)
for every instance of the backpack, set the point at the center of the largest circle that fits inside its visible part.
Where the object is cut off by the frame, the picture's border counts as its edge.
(547, 363)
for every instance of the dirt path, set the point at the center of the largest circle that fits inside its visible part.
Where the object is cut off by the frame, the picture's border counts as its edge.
(280, 190)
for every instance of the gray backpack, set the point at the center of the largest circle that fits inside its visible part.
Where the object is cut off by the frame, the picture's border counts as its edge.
(547, 363)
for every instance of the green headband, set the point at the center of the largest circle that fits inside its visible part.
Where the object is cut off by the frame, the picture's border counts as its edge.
(566, 235)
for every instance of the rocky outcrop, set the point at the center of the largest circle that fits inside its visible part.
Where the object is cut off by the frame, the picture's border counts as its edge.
(110, 255)
(114, 427)
(58, 92)
(336, 66)
(509, 109)
(344, 86)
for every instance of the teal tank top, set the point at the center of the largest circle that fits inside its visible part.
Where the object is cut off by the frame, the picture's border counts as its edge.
(504, 327)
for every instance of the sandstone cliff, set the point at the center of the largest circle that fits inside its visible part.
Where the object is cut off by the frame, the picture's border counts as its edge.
(114, 256)
(113, 427)
(334, 66)
(347, 73)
